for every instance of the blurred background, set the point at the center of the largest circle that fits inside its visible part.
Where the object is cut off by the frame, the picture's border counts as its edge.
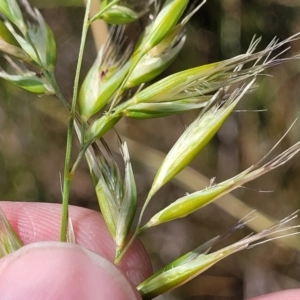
(33, 132)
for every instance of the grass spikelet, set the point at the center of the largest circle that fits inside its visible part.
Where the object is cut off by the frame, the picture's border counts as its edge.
(192, 202)
(196, 262)
(128, 204)
(196, 136)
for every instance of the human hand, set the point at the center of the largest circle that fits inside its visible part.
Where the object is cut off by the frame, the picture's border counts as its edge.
(53, 270)
(283, 295)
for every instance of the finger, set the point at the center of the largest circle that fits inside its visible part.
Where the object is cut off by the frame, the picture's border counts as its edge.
(293, 294)
(41, 222)
(55, 270)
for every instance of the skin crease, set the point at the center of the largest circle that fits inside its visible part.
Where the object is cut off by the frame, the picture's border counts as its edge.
(44, 270)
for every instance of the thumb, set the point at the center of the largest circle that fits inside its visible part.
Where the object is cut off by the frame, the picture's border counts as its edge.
(54, 270)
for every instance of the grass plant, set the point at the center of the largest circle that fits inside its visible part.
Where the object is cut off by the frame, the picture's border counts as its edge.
(121, 84)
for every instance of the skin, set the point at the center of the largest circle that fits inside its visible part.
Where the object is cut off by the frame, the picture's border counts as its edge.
(47, 269)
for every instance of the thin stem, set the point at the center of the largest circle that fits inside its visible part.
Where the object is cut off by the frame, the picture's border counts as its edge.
(51, 78)
(66, 183)
(79, 157)
(67, 175)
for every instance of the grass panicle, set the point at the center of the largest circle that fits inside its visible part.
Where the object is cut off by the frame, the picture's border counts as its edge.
(119, 84)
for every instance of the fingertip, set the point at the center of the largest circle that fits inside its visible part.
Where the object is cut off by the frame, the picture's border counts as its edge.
(54, 270)
(41, 222)
(292, 294)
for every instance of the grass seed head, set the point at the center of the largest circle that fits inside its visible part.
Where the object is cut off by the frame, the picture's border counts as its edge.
(37, 40)
(98, 88)
(106, 75)
(160, 28)
(196, 136)
(192, 202)
(199, 260)
(208, 78)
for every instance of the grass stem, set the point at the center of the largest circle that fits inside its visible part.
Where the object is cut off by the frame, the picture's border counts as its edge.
(67, 174)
